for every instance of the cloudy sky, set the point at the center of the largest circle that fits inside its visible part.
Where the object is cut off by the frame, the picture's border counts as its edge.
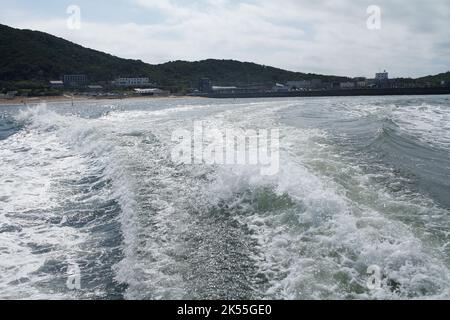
(320, 36)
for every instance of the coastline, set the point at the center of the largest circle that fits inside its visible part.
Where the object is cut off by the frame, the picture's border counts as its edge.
(335, 93)
(20, 101)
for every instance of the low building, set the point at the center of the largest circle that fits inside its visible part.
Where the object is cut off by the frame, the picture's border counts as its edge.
(347, 85)
(8, 95)
(56, 84)
(152, 92)
(250, 89)
(316, 84)
(327, 85)
(278, 87)
(299, 84)
(75, 80)
(221, 88)
(335, 85)
(131, 82)
(361, 84)
(305, 84)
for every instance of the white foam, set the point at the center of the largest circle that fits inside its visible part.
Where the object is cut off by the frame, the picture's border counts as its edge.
(32, 164)
(325, 253)
(318, 246)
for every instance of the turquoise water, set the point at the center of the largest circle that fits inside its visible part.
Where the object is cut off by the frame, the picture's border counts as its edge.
(363, 181)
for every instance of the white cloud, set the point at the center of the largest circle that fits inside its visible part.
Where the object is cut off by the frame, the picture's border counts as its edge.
(323, 36)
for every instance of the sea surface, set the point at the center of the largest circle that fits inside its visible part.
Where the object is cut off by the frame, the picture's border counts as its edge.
(363, 185)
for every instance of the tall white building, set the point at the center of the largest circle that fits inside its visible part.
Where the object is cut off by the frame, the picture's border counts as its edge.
(382, 76)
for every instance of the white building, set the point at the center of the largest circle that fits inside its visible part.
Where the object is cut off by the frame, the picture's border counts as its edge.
(361, 84)
(347, 85)
(382, 76)
(280, 88)
(219, 88)
(129, 82)
(152, 92)
(300, 84)
(56, 84)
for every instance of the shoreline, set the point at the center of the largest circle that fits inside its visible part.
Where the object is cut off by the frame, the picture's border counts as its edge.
(335, 93)
(21, 101)
(24, 101)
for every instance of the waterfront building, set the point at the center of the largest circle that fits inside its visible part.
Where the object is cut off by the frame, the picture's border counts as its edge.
(204, 85)
(152, 92)
(316, 84)
(347, 85)
(278, 87)
(56, 84)
(361, 83)
(299, 84)
(305, 84)
(222, 89)
(382, 76)
(131, 82)
(8, 95)
(74, 80)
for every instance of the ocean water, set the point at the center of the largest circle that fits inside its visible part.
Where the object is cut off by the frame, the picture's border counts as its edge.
(363, 182)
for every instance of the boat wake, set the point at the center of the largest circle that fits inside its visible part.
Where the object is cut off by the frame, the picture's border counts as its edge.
(103, 193)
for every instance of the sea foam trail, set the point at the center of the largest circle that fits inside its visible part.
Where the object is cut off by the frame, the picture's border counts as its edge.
(105, 193)
(58, 209)
(178, 255)
(132, 160)
(31, 236)
(317, 242)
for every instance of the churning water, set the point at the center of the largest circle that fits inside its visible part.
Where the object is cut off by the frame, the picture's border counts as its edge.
(362, 182)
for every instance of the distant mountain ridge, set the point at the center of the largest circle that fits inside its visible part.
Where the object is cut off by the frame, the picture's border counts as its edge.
(437, 78)
(34, 55)
(38, 57)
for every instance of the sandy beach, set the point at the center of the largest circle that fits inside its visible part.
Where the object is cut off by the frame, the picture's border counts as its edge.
(54, 99)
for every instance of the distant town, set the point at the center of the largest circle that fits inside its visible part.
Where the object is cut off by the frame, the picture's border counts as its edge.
(78, 84)
(38, 65)
(317, 86)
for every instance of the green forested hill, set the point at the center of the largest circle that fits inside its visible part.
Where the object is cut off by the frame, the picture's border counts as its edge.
(436, 79)
(34, 56)
(226, 72)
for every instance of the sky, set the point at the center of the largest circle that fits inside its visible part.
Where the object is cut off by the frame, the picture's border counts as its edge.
(408, 38)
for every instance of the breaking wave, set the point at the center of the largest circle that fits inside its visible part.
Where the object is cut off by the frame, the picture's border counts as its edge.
(362, 183)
